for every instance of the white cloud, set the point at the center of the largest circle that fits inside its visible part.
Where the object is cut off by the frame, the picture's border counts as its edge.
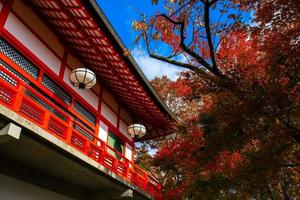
(152, 67)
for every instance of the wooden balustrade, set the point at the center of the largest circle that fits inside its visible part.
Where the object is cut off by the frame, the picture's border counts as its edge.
(29, 103)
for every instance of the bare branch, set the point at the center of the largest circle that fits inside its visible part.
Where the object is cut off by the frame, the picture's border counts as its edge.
(199, 59)
(177, 63)
(184, 65)
(179, 9)
(209, 38)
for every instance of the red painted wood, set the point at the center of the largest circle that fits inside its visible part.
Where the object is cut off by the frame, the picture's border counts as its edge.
(63, 64)
(14, 42)
(114, 71)
(118, 118)
(29, 55)
(34, 112)
(116, 131)
(43, 117)
(21, 48)
(5, 11)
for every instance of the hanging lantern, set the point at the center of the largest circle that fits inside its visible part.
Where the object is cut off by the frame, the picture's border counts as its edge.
(136, 130)
(83, 78)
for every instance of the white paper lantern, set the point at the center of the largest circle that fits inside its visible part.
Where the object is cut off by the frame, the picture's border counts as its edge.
(83, 78)
(136, 130)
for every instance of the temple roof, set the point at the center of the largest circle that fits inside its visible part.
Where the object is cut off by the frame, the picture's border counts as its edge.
(83, 27)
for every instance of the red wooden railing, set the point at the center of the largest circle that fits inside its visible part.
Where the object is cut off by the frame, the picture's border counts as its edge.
(17, 95)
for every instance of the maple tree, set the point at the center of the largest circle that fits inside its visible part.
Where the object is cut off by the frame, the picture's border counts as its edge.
(239, 101)
(173, 94)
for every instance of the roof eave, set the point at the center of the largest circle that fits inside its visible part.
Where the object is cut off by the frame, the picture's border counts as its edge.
(100, 17)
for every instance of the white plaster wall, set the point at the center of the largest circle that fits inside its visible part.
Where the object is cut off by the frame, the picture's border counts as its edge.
(102, 133)
(109, 114)
(125, 116)
(123, 129)
(31, 42)
(88, 95)
(128, 152)
(13, 189)
(110, 100)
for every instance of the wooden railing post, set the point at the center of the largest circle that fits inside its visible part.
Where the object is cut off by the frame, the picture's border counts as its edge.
(69, 132)
(46, 119)
(87, 146)
(145, 184)
(18, 99)
(126, 169)
(102, 154)
(115, 165)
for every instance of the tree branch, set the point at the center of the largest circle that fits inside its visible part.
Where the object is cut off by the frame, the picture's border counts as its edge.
(181, 64)
(184, 5)
(199, 59)
(209, 38)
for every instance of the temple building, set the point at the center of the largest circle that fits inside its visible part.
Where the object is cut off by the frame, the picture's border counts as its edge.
(58, 139)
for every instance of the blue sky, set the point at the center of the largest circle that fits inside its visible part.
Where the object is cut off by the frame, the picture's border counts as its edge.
(121, 14)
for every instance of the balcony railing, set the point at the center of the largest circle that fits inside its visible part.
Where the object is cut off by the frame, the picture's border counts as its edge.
(26, 99)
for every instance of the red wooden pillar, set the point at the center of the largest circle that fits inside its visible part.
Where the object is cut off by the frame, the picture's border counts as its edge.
(4, 12)
(19, 98)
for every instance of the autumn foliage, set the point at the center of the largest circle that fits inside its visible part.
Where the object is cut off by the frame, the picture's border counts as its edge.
(238, 136)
